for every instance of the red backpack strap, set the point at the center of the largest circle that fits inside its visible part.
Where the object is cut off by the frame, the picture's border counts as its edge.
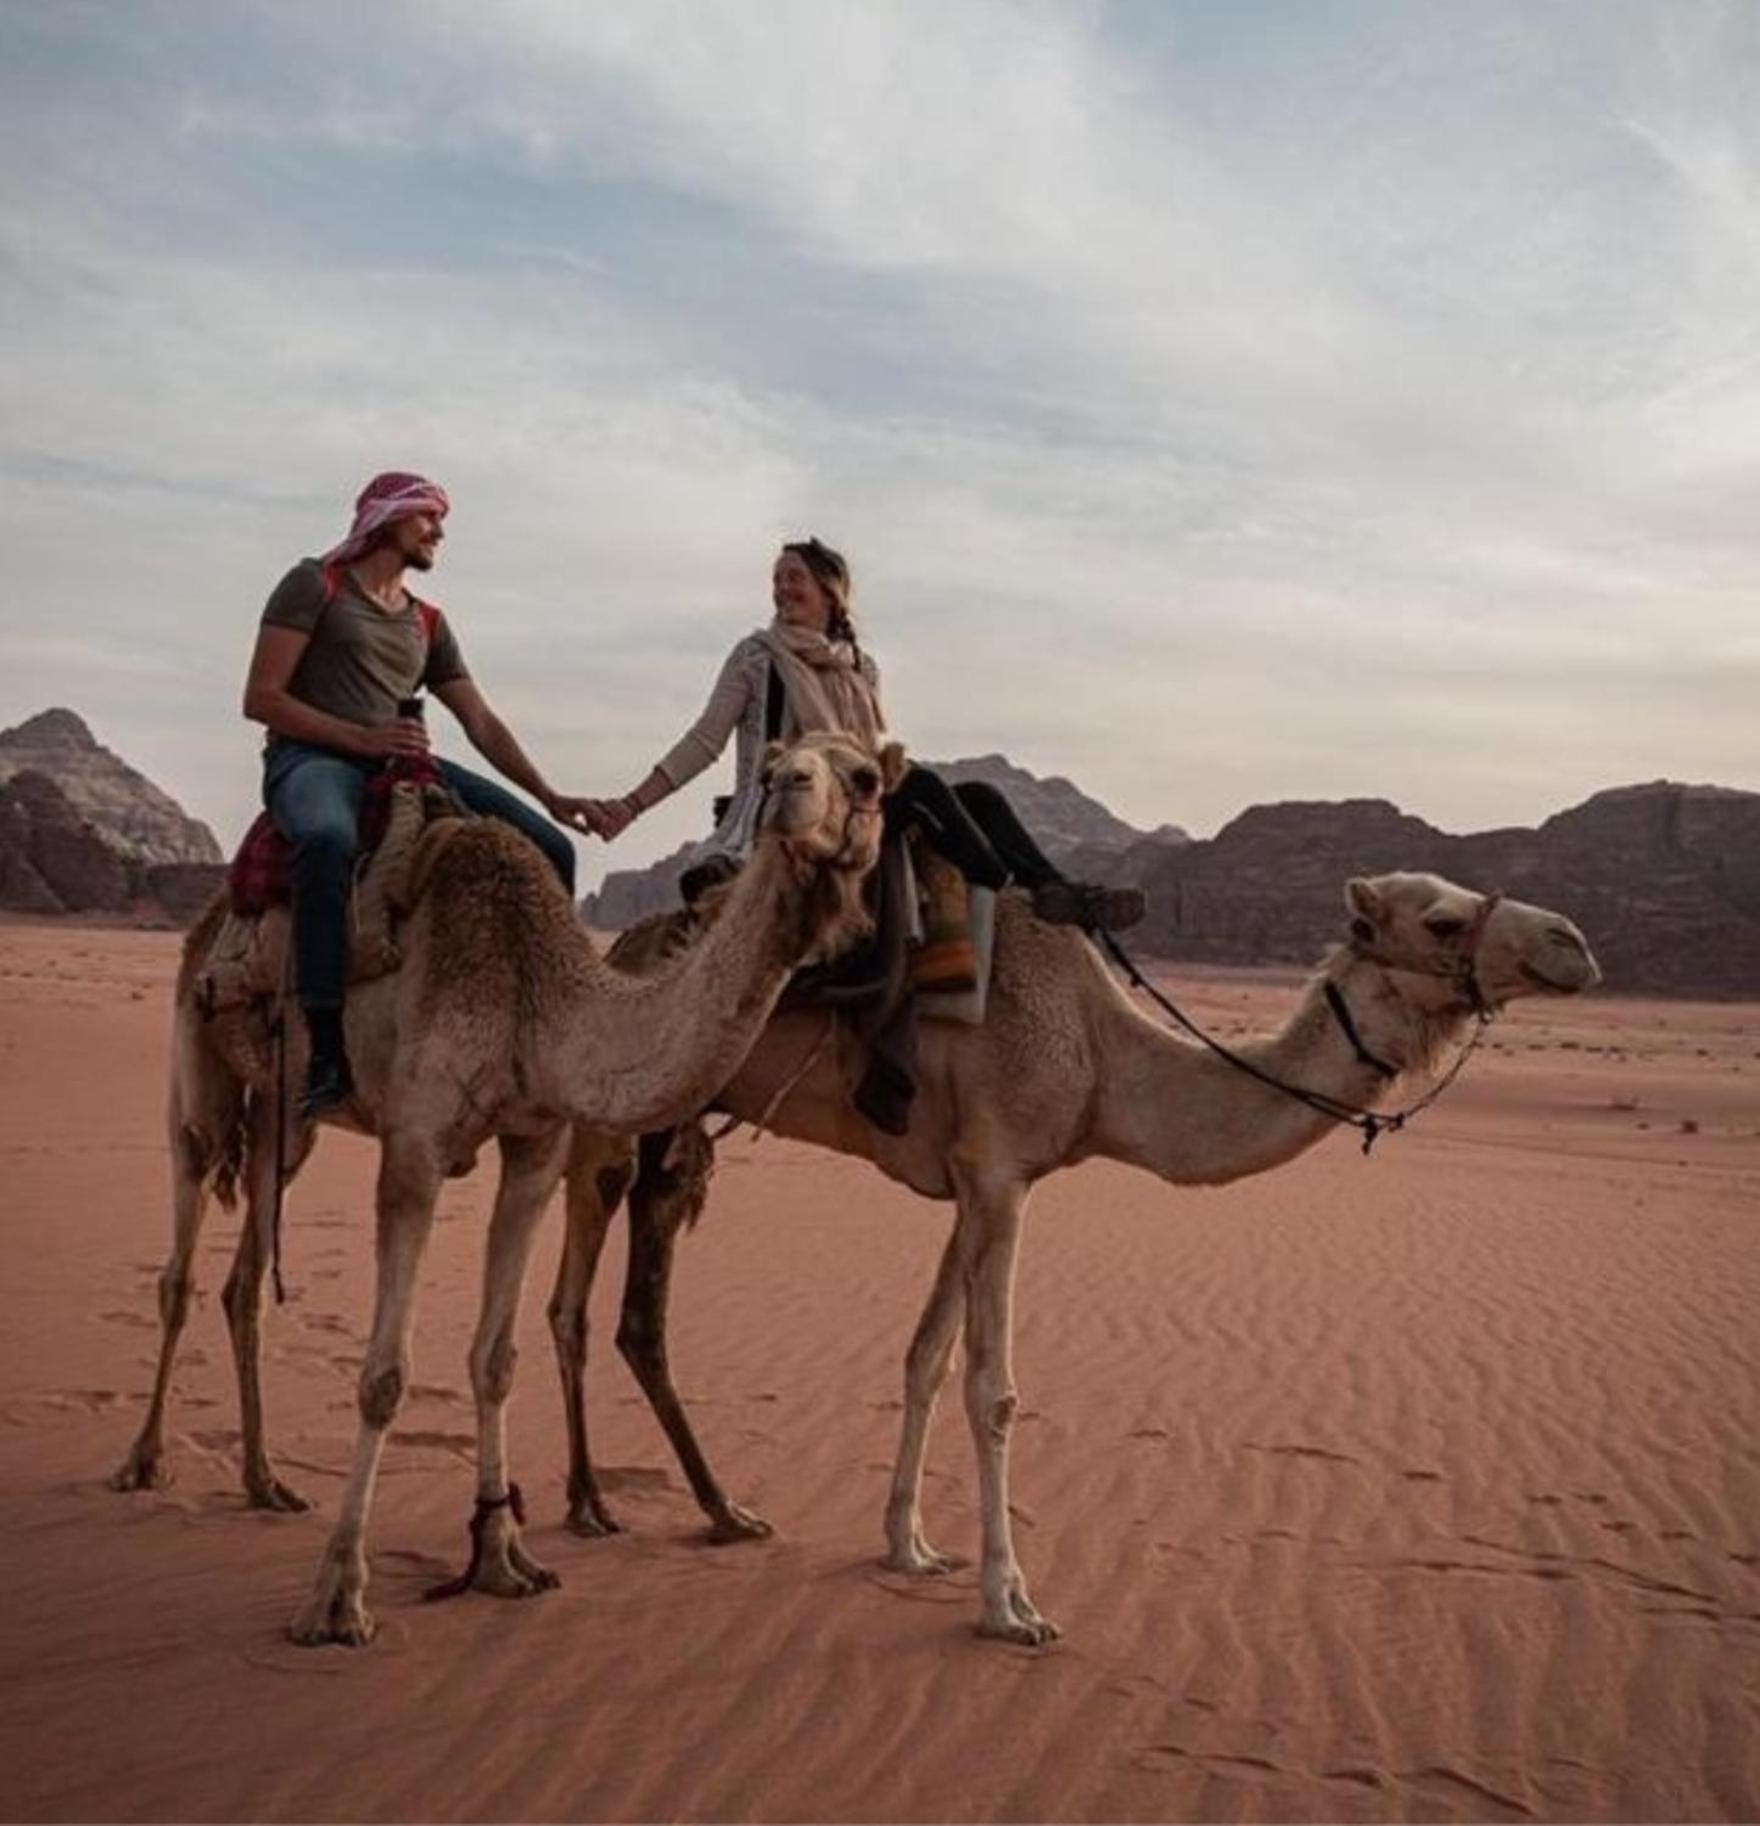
(429, 617)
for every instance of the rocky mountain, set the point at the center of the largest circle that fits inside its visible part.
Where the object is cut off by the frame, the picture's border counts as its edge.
(1064, 819)
(1663, 878)
(83, 832)
(140, 823)
(1059, 814)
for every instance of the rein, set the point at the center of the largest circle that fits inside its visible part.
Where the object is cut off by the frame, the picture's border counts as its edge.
(1372, 1123)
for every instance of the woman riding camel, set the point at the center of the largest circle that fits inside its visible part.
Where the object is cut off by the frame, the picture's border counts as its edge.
(806, 671)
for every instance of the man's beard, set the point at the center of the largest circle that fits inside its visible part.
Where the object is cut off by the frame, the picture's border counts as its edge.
(421, 559)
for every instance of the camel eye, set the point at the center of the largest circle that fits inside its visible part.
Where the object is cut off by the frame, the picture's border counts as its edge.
(1444, 925)
(866, 781)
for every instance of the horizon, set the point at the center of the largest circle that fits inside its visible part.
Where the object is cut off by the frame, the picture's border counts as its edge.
(1148, 833)
(1218, 408)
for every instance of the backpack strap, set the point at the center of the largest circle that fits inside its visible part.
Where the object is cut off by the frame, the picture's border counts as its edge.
(775, 701)
(427, 616)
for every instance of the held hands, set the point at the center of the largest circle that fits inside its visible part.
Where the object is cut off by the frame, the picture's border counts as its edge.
(607, 818)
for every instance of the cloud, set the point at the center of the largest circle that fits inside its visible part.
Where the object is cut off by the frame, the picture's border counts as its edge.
(1213, 409)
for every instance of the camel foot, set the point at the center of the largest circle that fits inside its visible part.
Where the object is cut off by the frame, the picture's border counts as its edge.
(918, 1558)
(732, 1523)
(1015, 1620)
(499, 1564)
(338, 1610)
(267, 1491)
(145, 1468)
(588, 1516)
(512, 1573)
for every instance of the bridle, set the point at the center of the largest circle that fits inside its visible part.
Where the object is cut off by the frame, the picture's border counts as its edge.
(1467, 975)
(848, 854)
(1372, 1123)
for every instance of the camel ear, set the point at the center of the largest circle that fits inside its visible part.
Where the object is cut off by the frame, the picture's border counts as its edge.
(773, 752)
(1364, 902)
(892, 764)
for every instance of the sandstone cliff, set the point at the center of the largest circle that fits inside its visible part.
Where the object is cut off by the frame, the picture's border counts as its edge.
(1664, 879)
(1067, 823)
(82, 832)
(139, 822)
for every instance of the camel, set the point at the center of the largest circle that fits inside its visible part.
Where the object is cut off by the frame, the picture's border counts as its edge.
(501, 1021)
(1065, 1068)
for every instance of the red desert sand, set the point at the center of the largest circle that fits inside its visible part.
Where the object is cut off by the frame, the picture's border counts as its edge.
(1422, 1487)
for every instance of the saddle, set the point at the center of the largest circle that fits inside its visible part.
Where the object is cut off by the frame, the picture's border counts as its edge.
(247, 962)
(933, 944)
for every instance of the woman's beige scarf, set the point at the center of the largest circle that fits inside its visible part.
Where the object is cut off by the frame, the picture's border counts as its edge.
(824, 684)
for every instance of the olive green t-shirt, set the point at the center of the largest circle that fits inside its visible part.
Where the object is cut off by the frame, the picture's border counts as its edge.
(361, 660)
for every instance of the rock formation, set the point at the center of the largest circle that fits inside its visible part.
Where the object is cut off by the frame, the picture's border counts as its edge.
(1664, 879)
(139, 822)
(1078, 834)
(82, 832)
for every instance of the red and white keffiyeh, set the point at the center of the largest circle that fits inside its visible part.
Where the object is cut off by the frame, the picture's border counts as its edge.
(388, 497)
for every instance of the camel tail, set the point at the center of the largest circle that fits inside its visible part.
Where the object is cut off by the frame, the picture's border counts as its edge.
(230, 1163)
(205, 1117)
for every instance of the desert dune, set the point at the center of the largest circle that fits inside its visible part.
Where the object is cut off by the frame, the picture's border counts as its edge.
(1417, 1487)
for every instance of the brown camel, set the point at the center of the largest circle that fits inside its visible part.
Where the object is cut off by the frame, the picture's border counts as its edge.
(502, 1021)
(1064, 1069)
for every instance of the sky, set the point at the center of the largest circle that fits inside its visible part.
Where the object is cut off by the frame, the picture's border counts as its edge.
(1218, 404)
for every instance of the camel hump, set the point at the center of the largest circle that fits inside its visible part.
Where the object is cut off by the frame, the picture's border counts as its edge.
(436, 853)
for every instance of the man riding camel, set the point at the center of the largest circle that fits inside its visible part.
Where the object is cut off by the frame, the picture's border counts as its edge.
(341, 647)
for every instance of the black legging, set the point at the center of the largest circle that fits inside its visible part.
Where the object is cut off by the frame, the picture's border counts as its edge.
(973, 826)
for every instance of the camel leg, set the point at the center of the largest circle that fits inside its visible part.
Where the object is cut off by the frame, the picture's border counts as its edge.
(600, 1168)
(663, 1199)
(994, 1209)
(146, 1468)
(243, 1296)
(410, 1171)
(928, 1364)
(499, 1564)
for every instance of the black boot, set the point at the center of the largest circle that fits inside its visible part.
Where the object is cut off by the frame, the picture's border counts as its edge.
(329, 1082)
(1089, 905)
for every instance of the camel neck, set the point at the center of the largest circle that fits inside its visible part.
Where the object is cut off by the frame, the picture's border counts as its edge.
(1188, 1115)
(641, 1052)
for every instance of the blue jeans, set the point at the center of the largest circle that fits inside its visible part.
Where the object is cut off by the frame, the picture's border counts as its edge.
(314, 797)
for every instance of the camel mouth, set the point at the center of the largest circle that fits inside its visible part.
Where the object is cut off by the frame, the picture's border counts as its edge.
(1549, 985)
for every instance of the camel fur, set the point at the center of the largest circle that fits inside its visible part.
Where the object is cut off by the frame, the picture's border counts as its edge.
(1065, 1068)
(502, 1021)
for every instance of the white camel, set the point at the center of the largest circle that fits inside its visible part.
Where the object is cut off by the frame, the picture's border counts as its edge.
(1065, 1068)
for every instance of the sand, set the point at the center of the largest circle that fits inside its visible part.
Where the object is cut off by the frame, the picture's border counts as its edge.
(1424, 1487)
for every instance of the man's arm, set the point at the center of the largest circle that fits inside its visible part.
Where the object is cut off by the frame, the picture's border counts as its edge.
(268, 701)
(496, 743)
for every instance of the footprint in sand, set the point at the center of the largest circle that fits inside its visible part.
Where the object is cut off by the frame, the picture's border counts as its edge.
(94, 1401)
(1300, 1451)
(444, 1442)
(435, 1391)
(137, 1319)
(635, 1478)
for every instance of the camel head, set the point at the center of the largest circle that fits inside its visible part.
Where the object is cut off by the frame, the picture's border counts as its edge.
(1453, 947)
(821, 807)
